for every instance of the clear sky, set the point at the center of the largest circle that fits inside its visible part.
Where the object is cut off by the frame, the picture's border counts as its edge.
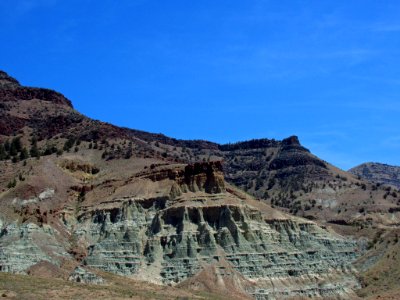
(225, 71)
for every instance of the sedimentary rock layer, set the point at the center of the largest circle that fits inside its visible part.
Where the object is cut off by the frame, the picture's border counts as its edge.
(186, 220)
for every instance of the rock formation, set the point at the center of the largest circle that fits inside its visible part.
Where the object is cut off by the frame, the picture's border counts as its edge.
(82, 275)
(195, 221)
(159, 209)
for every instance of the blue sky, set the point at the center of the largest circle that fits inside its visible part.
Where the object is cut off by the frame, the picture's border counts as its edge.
(225, 71)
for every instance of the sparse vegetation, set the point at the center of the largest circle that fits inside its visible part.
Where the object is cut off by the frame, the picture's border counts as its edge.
(12, 184)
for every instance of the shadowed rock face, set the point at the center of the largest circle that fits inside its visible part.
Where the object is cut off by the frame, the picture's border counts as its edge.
(206, 177)
(262, 167)
(285, 257)
(172, 241)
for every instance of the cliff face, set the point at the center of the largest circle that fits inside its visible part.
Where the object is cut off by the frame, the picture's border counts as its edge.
(192, 220)
(25, 245)
(261, 165)
(206, 177)
(283, 257)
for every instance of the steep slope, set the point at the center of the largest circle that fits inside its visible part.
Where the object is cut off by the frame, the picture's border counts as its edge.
(75, 191)
(379, 173)
(380, 267)
(282, 173)
(287, 176)
(168, 224)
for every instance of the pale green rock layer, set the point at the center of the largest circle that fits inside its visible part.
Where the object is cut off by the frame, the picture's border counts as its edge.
(159, 241)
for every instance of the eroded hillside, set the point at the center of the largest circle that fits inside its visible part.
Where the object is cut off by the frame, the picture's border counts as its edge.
(79, 192)
(378, 173)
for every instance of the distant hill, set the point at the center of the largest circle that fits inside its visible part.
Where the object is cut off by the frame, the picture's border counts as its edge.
(379, 173)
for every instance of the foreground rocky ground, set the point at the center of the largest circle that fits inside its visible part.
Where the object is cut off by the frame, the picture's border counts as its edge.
(36, 287)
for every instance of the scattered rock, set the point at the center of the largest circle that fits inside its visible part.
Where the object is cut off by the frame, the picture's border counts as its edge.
(82, 275)
(8, 294)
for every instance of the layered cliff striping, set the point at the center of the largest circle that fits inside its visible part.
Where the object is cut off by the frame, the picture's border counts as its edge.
(187, 219)
(126, 201)
(283, 173)
(25, 245)
(171, 238)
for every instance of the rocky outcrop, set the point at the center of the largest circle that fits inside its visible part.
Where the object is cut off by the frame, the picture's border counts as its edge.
(195, 221)
(81, 275)
(172, 244)
(266, 168)
(11, 90)
(292, 157)
(24, 245)
(27, 93)
(170, 239)
(203, 177)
